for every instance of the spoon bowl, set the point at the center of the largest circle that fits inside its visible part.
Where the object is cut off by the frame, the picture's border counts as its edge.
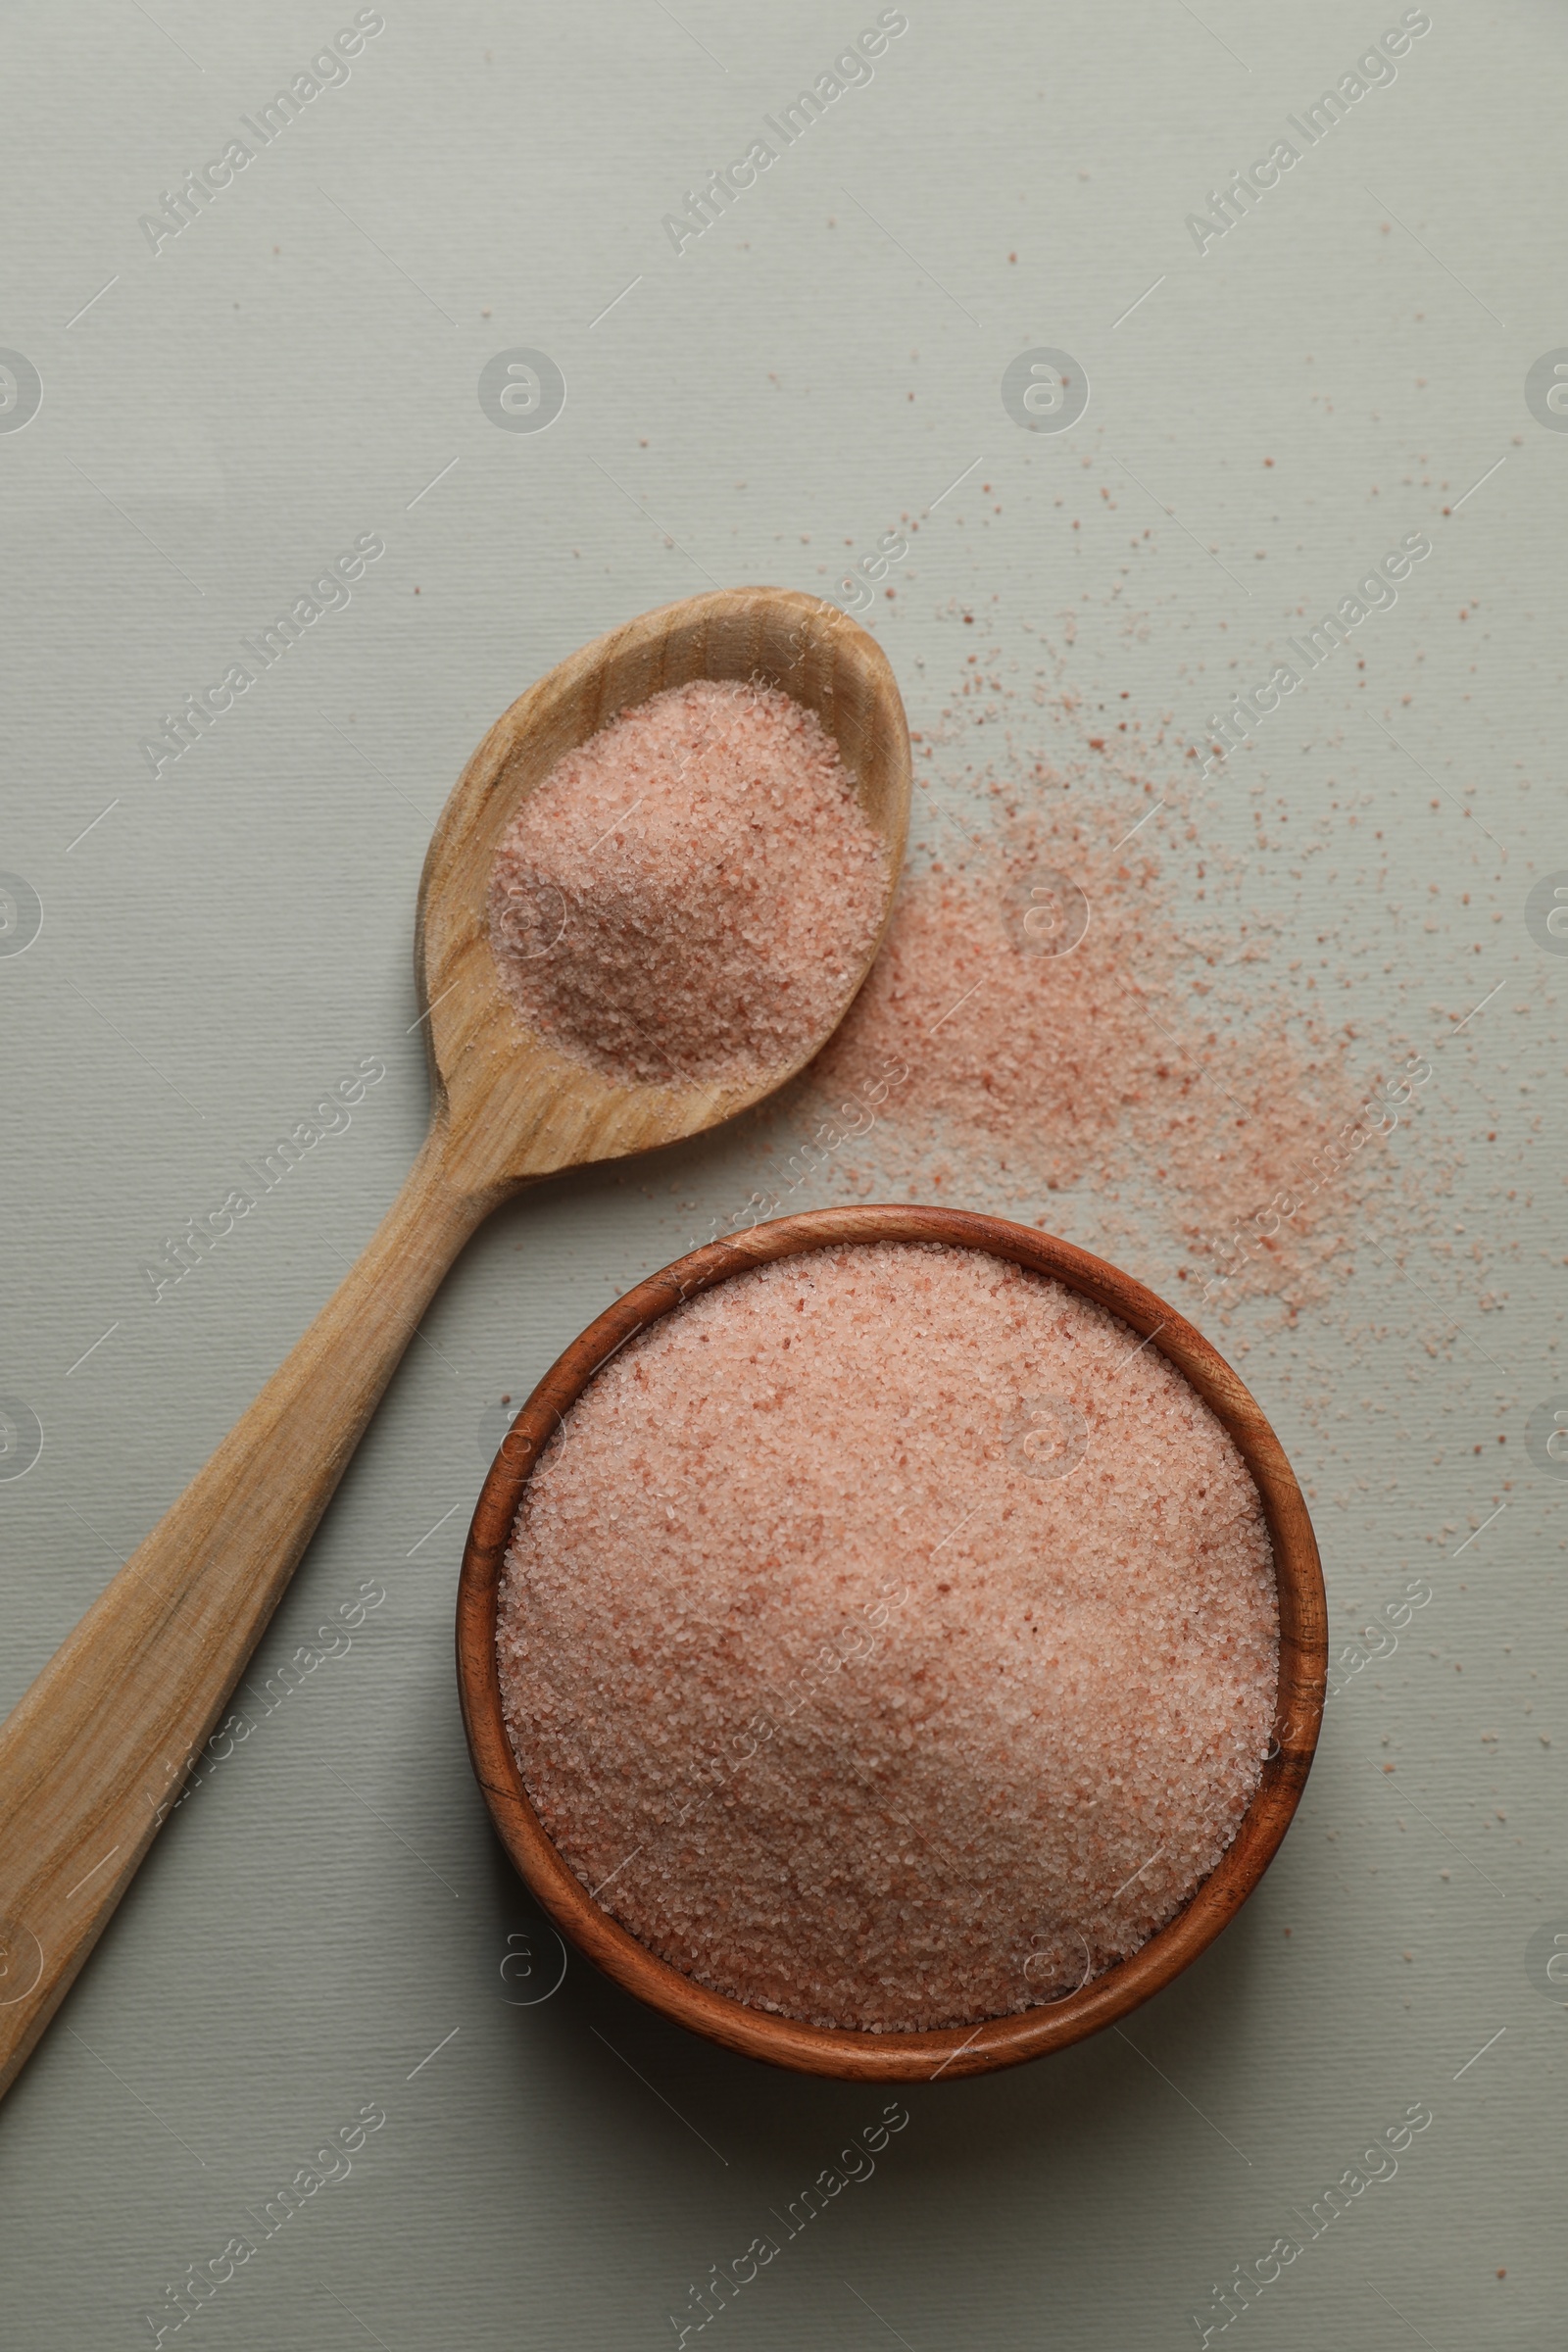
(96, 1751)
(517, 1107)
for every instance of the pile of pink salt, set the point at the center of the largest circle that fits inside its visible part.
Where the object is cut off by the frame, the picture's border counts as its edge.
(691, 895)
(890, 1640)
(1118, 1066)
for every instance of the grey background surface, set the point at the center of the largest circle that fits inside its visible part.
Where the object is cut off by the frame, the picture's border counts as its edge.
(299, 367)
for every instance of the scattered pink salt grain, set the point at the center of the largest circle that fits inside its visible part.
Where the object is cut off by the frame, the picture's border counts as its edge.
(689, 896)
(890, 1639)
(1050, 1014)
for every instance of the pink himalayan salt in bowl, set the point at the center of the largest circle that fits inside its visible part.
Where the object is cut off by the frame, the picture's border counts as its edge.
(888, 1642)
(686, 896)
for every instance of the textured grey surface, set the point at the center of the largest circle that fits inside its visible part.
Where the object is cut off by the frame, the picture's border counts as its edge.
(289, 373)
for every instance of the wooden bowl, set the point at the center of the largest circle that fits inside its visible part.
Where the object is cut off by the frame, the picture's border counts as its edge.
(859, 2055)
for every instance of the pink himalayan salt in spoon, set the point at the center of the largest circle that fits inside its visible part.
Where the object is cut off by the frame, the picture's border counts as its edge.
(890, 1640)
(687, 895)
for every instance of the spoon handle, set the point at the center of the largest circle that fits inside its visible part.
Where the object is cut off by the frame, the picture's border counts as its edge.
(93, 1755)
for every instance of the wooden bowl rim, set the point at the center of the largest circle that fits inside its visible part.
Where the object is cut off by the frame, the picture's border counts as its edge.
(854, 2053)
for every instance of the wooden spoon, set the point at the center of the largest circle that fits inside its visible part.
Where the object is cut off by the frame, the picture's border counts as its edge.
(95, 1752)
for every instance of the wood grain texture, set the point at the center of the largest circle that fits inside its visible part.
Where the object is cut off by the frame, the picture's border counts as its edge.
(95, 1752)
(955, 2051)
